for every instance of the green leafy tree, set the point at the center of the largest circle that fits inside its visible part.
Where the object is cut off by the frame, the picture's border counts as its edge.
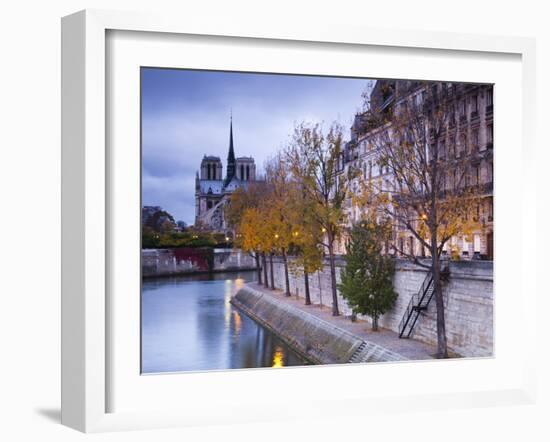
(366, 280)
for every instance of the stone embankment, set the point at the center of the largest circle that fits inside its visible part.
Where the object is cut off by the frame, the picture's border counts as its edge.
(182, 261)
(467, 296)
(317, 339)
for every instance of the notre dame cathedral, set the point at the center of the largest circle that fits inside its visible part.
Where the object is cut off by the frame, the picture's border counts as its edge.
(213, 190)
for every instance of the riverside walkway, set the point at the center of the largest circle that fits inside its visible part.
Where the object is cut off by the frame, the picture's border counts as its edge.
(409, 349)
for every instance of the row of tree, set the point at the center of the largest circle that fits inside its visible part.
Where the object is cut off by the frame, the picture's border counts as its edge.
(303, 206)
(298, 210)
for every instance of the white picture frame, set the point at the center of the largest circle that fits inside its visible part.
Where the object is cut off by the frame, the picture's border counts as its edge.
(86, 356)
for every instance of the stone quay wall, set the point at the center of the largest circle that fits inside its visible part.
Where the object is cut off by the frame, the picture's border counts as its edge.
(467, 296)
(165, 262)
(313, 338)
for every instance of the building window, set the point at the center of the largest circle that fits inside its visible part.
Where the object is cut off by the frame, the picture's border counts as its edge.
(465, 246)
(208, 170)
(475, 139)
(477, 244)
(489, 98)
(474, 103)
(209, 204)
(462, 108)
(489, 133)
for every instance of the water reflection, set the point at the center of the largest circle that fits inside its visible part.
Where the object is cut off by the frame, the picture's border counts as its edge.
(278, 358)
(189, 324)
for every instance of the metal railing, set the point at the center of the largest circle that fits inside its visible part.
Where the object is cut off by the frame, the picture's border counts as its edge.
(420, 301)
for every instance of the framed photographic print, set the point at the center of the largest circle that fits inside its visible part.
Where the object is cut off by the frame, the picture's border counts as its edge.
(255, 217)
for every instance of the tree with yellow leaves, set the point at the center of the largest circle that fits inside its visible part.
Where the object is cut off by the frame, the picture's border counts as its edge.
(314, 163)
(280, 221)
(309, 257)
(243, 215)
(248, 237)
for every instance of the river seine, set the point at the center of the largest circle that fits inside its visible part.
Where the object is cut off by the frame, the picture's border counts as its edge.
(188, 324)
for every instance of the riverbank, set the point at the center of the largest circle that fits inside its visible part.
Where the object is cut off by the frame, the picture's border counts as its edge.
(467, 296)
(318, 336)
(187, 261)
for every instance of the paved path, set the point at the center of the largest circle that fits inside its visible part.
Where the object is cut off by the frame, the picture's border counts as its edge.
(408, 348)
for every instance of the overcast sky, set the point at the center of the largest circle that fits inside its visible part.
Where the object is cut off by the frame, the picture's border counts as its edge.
(185, 115)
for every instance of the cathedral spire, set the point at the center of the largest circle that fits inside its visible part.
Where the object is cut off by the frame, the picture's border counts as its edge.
(231, 155)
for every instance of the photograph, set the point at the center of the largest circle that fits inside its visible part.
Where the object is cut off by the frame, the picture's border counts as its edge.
(295, 220)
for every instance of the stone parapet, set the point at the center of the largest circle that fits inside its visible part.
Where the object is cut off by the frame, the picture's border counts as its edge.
(166, 262)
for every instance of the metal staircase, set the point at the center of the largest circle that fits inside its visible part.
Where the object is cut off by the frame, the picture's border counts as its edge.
(355, 357)
(418, 303)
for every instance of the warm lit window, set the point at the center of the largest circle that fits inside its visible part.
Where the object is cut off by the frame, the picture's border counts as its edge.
(465, 246)
(477, 244)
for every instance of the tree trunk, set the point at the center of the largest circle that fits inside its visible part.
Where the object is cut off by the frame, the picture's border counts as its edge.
(320, 289)
(265, 270)
(375, 322)
(335, 311)
(287, 282)
(258, 267)
(438, 292)
(271, 271)
(306, 286)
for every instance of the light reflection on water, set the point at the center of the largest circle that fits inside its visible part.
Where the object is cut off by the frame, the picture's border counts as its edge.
(188, 324)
